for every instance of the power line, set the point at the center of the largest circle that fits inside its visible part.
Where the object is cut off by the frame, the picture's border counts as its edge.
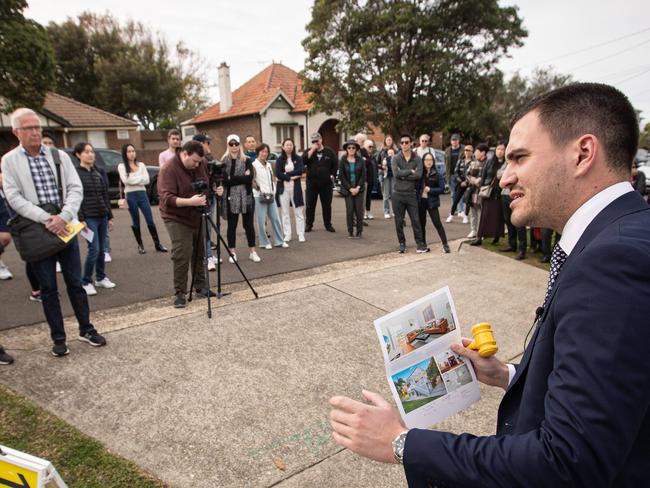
(610, 56)
(611, 41)
(632, 77)
(624, 71)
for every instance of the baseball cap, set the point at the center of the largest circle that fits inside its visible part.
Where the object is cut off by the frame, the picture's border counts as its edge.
(316, 136)
(455, 137)
(232, 137)
(202, 138)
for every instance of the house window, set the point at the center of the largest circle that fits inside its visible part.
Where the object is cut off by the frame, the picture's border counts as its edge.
(284, 132)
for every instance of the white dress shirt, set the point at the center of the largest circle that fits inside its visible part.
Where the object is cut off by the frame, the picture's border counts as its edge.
(580, 220)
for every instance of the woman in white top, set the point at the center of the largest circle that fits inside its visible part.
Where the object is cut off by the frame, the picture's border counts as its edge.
(265, 205)
(289, 169)
(134, 177)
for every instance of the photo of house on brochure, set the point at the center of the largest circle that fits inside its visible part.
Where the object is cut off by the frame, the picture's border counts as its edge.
(428, 380)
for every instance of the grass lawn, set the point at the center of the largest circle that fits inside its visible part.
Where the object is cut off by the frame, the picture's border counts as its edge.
(80, 460)
(531, 257)
(411, 405)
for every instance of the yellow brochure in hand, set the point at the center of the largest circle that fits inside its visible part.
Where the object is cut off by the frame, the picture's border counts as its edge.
(73, 228)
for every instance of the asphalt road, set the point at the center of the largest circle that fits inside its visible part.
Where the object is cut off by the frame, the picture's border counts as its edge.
(144, 277)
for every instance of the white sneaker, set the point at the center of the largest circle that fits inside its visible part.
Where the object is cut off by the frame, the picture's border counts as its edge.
(449, 219)
(301, 238)
(465, 219)
(105, 283)
(471, 235)
(254, 257)
(285, 245)
(212, 263)
(387, 216)
(370, 216)
(268, 246)
(107, 257)
(232, 259)
(89, 289)
(5, 274)
(58, 267)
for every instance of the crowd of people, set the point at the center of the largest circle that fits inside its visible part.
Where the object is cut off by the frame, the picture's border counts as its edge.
(263, 194)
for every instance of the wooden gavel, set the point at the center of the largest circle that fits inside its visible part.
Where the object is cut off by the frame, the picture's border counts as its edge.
(484, 341)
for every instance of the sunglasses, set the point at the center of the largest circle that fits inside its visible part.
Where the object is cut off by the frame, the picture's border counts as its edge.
(405, 142)
(233, 143)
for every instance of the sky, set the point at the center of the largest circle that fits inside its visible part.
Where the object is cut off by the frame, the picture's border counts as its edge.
(613, 38)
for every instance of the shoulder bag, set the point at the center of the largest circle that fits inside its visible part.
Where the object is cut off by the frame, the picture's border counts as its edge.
(32, 240)
(268, 197)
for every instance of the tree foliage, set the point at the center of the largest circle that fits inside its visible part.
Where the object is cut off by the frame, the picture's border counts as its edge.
(26, 58)
(404, 65)
(126, 70)
(644, 137)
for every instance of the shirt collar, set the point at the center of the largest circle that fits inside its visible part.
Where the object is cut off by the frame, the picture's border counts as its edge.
(41, 151)
(588, 211)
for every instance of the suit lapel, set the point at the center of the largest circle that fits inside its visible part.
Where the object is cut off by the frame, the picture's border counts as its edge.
(626, 204)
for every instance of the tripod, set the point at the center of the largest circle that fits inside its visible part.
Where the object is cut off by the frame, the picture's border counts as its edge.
(206, 224)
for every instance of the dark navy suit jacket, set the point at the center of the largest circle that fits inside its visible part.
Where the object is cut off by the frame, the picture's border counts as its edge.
(577, 412)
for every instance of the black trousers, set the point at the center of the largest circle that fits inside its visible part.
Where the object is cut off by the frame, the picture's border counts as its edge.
(434, 214)
(324, 191)
(354, 211)
(458, 196)
(248, 221)
(515, 234)
(547, 245)
(403, 203)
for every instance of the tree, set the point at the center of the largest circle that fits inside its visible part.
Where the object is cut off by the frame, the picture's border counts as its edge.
(433, 373)
(404, 65)
(126, 70)
(26, 58)
(644, 137)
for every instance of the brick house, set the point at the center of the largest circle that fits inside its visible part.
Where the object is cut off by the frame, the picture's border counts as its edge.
(270, 106)
(73, 122)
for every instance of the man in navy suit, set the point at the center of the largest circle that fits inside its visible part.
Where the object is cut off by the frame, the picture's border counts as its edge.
(576, 411)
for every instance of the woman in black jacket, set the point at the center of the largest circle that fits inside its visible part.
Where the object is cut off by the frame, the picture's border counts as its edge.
(352, 175)
(491, 223)
(239, 174)
(432, 185)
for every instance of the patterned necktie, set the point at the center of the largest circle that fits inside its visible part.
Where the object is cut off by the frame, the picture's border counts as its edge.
(558, 258)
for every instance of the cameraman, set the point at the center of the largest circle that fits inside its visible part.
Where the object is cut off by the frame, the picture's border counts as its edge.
(179, 210)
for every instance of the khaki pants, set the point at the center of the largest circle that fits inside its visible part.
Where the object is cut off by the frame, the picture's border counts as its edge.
(183, 239)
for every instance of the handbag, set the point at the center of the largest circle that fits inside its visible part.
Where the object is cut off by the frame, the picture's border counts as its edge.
(32, 240)
(485, 191)
(268, 197)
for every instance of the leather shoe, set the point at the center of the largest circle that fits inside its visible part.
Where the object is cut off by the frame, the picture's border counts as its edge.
(309, 228)
(329, 228)
(545, 259)
(521, 256)
(507, 249)
(476, 242)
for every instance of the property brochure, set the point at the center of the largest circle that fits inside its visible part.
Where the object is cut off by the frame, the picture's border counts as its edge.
(73, 228)
(428, 380)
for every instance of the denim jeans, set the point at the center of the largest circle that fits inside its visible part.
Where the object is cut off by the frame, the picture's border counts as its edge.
(95, 257)
(453, 187)
(386, 192)
(138, 201)
(262, 210)
(45, 272)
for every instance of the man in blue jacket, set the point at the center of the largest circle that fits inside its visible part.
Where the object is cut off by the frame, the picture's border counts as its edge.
(576, 411)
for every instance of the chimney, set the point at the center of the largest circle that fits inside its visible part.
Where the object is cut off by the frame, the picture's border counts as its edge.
(225, 94)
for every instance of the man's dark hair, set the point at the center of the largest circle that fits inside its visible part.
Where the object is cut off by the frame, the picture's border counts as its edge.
(173, 132)
(261, 147)
(193, 147)
(406, 135)
(501, 142)
(48, 133)
(483, 147)
(589, 108)
(79, 148)
(249, 135)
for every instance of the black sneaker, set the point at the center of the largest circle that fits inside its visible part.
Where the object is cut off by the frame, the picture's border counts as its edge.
(204, 292)
(93, 338)
(422, 250)
(446, 249)
(402, 248)
(4, 357)
(180, 301)
(329, 228)
(309, 228)
(60, 349)
(476, 242)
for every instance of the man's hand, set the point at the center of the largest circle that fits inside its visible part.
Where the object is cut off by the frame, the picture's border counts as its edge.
(196, 201)
(489, 370)
(219, 191)
(366, 429)
(110, 225)
(427, 189)
(56, 225)
(463, 184)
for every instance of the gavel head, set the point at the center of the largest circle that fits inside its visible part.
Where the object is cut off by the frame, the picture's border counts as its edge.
(484, 341)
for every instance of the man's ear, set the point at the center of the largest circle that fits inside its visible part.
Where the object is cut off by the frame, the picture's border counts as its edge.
(586, 150)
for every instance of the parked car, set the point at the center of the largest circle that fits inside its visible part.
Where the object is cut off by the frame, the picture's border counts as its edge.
(108, 159)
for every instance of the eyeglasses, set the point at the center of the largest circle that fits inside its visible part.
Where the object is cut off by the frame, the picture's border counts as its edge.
(31, 128)
(233, 143)
(405, 142)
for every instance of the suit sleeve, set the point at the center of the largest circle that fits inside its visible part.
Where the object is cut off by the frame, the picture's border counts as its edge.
(598, 391)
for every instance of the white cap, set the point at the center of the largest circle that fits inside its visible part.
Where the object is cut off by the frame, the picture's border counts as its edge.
(232, 137)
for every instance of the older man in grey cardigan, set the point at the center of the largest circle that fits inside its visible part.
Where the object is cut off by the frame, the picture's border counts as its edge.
(31, 179)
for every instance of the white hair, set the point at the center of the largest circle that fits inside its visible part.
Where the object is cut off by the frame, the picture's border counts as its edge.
(360, 138)
(19, 114)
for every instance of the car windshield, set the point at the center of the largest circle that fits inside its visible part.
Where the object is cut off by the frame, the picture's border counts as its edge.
(111, 158)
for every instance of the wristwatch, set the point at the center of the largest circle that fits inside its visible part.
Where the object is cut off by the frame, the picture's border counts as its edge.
(398, 447)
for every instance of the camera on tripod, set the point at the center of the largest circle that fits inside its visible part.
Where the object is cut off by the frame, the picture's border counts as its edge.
(216, 177)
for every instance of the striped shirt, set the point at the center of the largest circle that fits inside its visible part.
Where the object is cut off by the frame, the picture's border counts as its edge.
(47, 189)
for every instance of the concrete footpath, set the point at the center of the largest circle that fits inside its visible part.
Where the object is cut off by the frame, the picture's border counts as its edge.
(241, 399)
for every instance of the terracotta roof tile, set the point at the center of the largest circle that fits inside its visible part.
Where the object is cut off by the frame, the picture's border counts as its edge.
(79, 114)
(256, 93)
